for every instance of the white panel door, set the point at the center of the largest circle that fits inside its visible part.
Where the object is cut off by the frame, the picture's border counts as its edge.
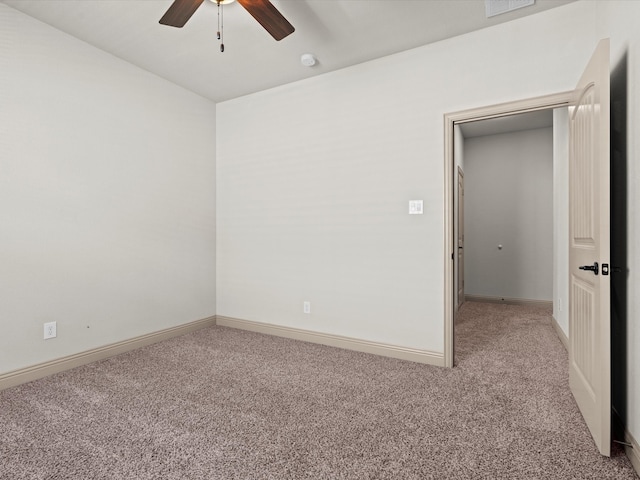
(589, 296)
(460, 237)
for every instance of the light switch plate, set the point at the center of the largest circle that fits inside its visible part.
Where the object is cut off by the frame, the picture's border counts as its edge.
(415, 207)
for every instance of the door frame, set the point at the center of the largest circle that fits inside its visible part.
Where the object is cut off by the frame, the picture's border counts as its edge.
(557, 100)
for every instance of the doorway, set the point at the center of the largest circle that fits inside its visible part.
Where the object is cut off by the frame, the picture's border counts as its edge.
(589, 234)
(451, 121)
(509, 218)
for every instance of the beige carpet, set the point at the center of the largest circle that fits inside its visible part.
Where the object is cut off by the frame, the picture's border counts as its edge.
(226, 404)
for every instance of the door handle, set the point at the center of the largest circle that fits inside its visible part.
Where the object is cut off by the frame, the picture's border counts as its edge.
(592, 268)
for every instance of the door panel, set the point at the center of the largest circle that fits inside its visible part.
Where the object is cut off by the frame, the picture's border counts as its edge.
(589, 303)
(460, 237)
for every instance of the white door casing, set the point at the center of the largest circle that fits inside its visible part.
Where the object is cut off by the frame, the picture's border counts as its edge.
(589, 294)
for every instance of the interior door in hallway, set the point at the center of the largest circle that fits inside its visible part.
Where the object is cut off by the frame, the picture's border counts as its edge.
(589, 295)
(460, 237)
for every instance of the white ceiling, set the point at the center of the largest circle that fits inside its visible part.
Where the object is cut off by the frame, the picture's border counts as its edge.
(508, 124)
(339, 32)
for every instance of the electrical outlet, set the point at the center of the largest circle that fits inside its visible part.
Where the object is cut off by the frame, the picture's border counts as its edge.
(306, 307)
(50, 330)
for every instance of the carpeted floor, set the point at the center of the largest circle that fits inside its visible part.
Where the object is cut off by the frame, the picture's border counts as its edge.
(227, 404)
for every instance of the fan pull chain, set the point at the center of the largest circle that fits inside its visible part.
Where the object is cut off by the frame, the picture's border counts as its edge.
(221, 25)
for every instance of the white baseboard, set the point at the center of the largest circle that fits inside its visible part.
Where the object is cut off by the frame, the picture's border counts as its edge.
(633, 452)
(508, 301)
(28, 374)
(561, 335)
(383, 349)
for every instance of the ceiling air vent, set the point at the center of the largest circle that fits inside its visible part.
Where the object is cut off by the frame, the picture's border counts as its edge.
(497, 7)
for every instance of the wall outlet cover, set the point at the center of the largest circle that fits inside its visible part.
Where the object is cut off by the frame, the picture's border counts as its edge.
(50, 330)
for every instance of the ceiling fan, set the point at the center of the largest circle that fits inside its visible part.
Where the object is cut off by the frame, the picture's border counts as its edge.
(262, 10)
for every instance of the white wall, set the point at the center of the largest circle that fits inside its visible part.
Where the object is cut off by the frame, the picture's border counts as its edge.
(107, 203)
(509, 203)
(561, 218)
(458, 146)
(314, 178)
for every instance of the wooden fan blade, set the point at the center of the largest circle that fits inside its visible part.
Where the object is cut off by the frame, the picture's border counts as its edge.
(269, 17)
(179, 12)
